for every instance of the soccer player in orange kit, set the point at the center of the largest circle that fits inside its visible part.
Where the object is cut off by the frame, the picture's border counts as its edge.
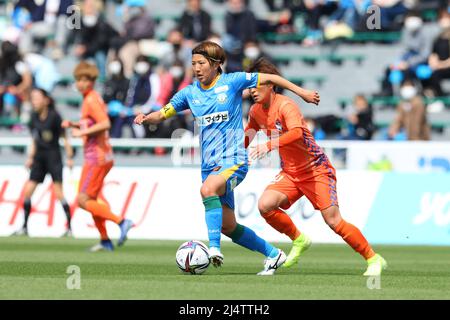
(306, 170)
(98, 157)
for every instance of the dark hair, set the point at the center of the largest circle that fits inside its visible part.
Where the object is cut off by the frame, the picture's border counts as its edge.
(9, 57)
(263, 65)
(212, 52)
(51, 103)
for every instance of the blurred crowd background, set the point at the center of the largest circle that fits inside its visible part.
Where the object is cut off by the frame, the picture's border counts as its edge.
(382, 66)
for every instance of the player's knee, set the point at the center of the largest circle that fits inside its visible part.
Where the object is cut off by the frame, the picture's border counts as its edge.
(206, 191)
(332, 217)
(266, 205)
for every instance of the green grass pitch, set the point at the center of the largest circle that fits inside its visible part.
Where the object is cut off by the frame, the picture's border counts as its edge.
(35, 268)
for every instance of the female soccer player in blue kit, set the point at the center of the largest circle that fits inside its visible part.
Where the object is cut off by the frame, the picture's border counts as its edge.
(216, 103)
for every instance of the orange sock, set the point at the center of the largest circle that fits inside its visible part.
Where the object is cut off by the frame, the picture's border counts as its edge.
(100, 210)
(280, 221)
(355, 239)
(101, 227)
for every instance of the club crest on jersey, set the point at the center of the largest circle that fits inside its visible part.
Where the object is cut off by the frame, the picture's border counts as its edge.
(278, 125)
(222, 98)
(216, 117)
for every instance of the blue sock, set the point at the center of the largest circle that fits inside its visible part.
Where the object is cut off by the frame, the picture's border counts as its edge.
(247, 238)
(213, 217)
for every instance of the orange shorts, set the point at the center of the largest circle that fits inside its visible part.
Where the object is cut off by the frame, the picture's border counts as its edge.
(319, 188)
(92, 177)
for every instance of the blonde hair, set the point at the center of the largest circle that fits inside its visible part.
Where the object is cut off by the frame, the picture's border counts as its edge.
(86, 70)
(212, 52)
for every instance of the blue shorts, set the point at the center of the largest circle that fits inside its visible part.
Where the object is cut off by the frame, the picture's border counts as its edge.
(233, 175)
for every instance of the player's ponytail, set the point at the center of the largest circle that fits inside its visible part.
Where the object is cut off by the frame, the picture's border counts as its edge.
(212, 52)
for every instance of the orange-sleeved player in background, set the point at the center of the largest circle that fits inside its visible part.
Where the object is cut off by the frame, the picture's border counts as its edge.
(306, 170)
(98, 158)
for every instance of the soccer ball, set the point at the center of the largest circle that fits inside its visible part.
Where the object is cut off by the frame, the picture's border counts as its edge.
(192, 257)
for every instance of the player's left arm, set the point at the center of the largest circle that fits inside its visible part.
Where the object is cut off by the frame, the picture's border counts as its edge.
(307, 95)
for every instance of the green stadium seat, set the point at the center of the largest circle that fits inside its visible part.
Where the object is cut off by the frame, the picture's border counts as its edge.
(300, 80)
(7, 122)
(311, 59)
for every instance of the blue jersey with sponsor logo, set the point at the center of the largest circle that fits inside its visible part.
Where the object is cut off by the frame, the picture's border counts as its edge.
(218, 114)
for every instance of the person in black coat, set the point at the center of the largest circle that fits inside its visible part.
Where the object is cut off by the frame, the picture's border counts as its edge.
(195, 23)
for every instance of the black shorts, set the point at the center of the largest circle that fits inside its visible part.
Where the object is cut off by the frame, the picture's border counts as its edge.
(48, 162)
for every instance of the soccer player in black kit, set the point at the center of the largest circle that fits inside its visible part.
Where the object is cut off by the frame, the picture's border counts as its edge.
(45, 155)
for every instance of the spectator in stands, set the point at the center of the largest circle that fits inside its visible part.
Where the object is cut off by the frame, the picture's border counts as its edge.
(358, 124)
(143, 86)
(312, 11)
(94, 36)
(181, 49)
(138, 26)
(253, 52)
(439, 59)
(392, 13)
(47, 18)
(315, 129)
(15, 80)
(240, 27)
(115, 91)
(195, 23)
(416, 49)
(410, 122)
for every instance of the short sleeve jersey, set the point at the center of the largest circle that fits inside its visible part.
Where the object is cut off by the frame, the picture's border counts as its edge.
(217, 110)
(299, 157)
(97, 149)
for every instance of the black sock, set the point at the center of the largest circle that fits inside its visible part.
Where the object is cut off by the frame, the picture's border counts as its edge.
(66, 208)
(26, 210)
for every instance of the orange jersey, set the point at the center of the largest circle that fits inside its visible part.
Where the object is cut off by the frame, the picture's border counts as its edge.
(299, 157)
(97, 149)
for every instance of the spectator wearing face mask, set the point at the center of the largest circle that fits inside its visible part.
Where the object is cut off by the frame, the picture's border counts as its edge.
(175, 79)
(180, 49)
(439, 60)
(253, 52)
(93, 38)
(410, 122)
(413, 59)
(195, 23)
(241, 27)
(115, 90)
(143, 89)
(138, 26)
(47, 18)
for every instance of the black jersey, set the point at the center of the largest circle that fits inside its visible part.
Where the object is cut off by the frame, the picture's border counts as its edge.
(46, 132)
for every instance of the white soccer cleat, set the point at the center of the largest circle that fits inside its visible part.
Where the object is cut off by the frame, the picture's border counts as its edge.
(215, 257)
(272, 264)
(375, 266)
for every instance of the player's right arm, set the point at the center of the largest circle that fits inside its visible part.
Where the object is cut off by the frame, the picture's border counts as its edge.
(155, 117)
